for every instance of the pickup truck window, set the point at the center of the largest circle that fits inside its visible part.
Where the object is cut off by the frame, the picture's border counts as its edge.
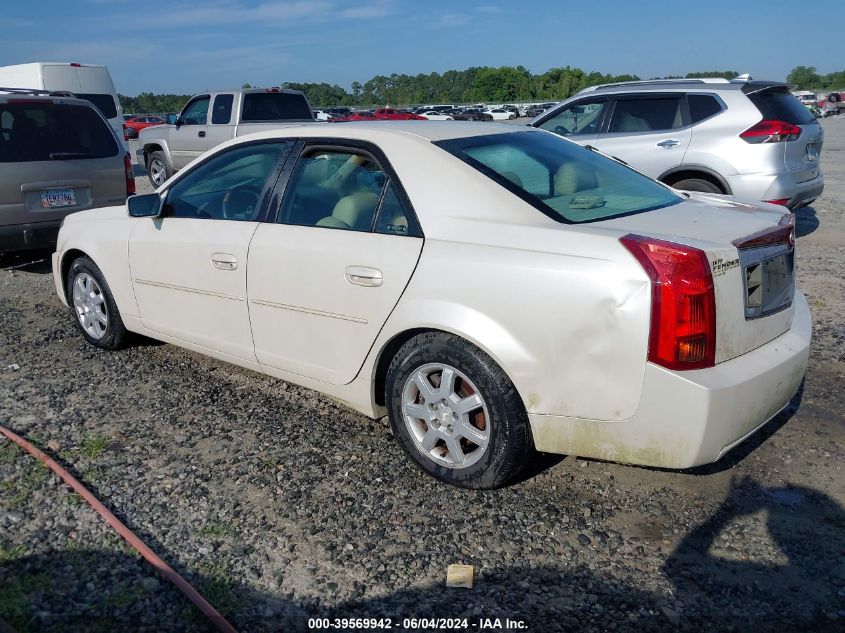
(197, 112)
(275, 106)
(221, 113)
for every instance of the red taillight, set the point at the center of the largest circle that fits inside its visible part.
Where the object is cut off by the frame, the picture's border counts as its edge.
(771, 132)
(781, 201)
(130, 178)
(784, 233)
(76, 64)
(683, 303)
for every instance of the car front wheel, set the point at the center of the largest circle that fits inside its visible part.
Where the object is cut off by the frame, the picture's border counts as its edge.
(93, 307)
(456, 413)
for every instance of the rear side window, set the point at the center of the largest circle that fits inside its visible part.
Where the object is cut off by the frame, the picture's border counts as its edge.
(105, 103)
(275, 106)
(221, 112)
(646, 115)
(702, 107)
(781, 105)
(49, 131)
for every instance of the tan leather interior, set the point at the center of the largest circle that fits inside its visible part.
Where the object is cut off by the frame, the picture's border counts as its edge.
(573, 177)
(354, 211)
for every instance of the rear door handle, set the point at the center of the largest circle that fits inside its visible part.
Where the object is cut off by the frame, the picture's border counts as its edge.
(201, 134)
(668, 144)
(224, 261)
(364, 276)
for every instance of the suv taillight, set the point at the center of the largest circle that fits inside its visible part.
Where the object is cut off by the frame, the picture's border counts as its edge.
(683, 303)
(130, 177)
(771, 132)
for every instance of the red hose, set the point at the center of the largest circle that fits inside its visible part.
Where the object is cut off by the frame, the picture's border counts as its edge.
(166, 570)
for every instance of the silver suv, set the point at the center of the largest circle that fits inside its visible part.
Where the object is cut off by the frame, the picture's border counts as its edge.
(58, 154)
(750, 139)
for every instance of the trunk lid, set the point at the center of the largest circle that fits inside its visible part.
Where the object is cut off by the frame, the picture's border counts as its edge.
(753, 281)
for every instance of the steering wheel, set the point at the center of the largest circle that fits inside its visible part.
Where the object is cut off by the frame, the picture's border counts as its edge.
(562, 131)
(241, 203)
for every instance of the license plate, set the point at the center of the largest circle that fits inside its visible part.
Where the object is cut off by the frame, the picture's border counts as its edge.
(54, 198)
(813, 152)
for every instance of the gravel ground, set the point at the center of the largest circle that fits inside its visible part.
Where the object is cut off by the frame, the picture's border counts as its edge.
(281, 505)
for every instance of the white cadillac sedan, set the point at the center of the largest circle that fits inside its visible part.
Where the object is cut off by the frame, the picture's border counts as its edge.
(494, 290)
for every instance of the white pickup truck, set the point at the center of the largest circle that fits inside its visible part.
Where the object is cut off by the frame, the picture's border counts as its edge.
(212, 118)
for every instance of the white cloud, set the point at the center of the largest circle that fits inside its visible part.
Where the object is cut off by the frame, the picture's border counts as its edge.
(452, 19)
(489, 8)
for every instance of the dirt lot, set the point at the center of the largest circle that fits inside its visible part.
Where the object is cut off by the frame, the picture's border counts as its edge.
(281, 505)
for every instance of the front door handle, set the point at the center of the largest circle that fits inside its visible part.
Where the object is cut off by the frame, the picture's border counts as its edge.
(201, 133)
(364, 276)
(668, 144)
(224, 261)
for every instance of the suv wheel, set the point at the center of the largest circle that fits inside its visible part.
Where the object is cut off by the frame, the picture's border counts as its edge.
(456, 413)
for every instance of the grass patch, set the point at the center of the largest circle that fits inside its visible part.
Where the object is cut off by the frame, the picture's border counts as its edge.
(20, 488)
(9, 452)
(93, 445)
(16, 594)
(216, 529)
(11, 552)
(219, 589)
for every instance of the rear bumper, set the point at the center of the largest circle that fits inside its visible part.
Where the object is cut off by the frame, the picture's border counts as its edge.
(777, 186)
(25, 237)
(686, 419)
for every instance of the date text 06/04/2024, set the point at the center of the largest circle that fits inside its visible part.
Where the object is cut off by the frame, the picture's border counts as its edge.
(434, 624)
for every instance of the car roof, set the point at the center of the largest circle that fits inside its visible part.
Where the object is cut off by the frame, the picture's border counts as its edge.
(373, 130)
(710, 84)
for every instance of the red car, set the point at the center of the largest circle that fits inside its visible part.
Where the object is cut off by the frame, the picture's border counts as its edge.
(397, 115)
(135, 124)
(355, 116)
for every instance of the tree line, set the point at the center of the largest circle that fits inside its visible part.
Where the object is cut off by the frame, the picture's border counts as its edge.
(476, 84)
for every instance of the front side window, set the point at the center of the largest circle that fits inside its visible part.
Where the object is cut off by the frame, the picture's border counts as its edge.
(227, 187)
(334, 188)
(577, 119)
(646, 115)
(221, 113)
(197, 112)
(567, 182)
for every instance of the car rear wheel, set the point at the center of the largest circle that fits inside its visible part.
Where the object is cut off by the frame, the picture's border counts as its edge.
(158, 169)
(697, 184)
(456, 413)
(92, 305)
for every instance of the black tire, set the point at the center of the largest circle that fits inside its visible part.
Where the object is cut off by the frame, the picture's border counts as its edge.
(509, 443)
(154, 158)
(114, 336)
(696, 184)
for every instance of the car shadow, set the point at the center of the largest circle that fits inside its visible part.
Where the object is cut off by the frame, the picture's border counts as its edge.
(806, 221)
(138, 171)
(38, 262)
(808, 578)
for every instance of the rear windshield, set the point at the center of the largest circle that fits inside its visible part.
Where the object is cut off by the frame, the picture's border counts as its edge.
(781, 105)
(105, 103)
(275, 106)
(36, 131)
(567, 182)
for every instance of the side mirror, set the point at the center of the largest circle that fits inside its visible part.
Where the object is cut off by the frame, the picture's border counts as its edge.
(144, 206)
(178, 121)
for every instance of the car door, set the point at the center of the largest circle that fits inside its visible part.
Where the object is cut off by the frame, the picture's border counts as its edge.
(222, 127)
(579, 121)
(325, 276)
(187, 139)
(650, 132)
(188, 266)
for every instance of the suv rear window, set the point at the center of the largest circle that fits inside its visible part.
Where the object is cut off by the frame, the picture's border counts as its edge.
(567, 182)
(105, 103)
(275, 106)
(781, 105)
(35, 131)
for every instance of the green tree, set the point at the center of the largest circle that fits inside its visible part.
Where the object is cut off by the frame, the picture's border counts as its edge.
(804, 77)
